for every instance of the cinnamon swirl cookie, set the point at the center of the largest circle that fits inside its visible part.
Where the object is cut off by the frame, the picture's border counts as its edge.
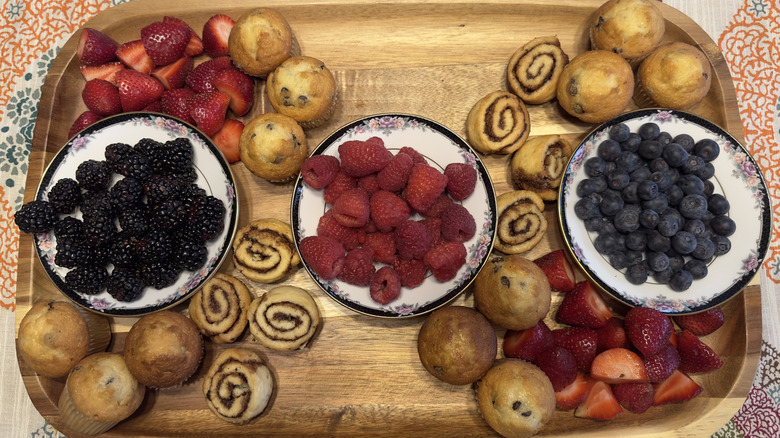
(521, 222)
(539, 165)
(219, 309)
(238, 385)
(498, 123)
(534, 69)
(284, 318)
(264, 250)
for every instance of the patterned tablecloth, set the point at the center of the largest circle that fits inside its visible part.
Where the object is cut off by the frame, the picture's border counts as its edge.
(33, 31)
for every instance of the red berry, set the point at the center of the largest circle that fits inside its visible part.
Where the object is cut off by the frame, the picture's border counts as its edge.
(195, 44)
(439, 205)
(526, 344)
(352, 209)
(328, 226)
(360, 158)
(227, 139)
(209, 110)
(457, 224)
(462, 180)
(164, 42)
(324, 256)
(417, 157)
(695, 355)
(341, 183)
(137, 90)
(445, 259)
(558, 270)
(385, 285)
(134, 56)
(600, 404)
(173, 75)
(581, 342)
(618, 365)
(358, 267)
(573, 394)
(383, 245)
(318, 171)
(95, 47)
(679, 387)
(636, 397)
(662, 364)
(612, 335)
(239, 86)
(703, 323)
(583, 307)
(105, 71)
(411, 272)
(424, 186)
(369, 183)
(648, 329)
(388, 210)
(215, 35)
(393, 177)
(433, 224)
(101, 97)
(412, 240)
(559, 365)
(174, 102)
(82, 121)
(200, 77)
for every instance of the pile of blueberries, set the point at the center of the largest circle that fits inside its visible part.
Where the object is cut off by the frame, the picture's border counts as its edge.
(649, 197)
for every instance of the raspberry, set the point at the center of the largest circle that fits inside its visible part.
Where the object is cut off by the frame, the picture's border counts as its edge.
(441, 203)
(341, 183)
(433, 224)
(383, 245)
(330, 227)
(368, 183)
(412, 240)
(394, 176)
(352, 209)
(318, 171)
(457, 224)
(417, 157)
(385, 285)
(411, 272)
(324, 255)
(444, 260)
(358, 267)
(388, 210)
(424, 186)
(360, 158)
(462, 180)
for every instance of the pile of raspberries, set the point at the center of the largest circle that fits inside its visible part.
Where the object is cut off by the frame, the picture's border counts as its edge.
(371, 235)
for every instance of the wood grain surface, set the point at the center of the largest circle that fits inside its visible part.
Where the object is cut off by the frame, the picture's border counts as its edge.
(361, 375)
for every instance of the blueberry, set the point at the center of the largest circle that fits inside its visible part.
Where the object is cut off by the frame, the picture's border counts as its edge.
(649, 218)
(618, 179)
(686, 141)
(595, 198)
(611, 203)
(626, 220)
(595, 166)
(599, 183)
(705, 249)
(586, 209)
(694, 226)
(664, 138)
(722, 245)
(662, 178)
(692, 165)
(684, 242)
(628, 161)
(706, 148)
(620, 132)
(606, 243)
(674, 174)
(648, 131)
(629, 193)
(608, 150)
(676, 260)
(636, 273)
(674, 154)
(718, 204)
(636, 241)
(692, 206)
(706, 171)
(657, 261)
(723, 225)
(658, 164)
(632, 144)
(618, 260)
(664, 276)
(668, 225)
(647, 190)
(681, 280)
(609, 166)
(691, 184)
(650, 149)
(671, 211)
(640, 174)
(634, 256)
(709, 187)
(585, 187)
(658, 242)
(595, 223)
(697, 268)
(674, 195)
(659, 203)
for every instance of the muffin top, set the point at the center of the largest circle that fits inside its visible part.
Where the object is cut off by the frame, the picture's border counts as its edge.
(53, 337)
(676, 75)
(301, 87)
(102, 388)
(630, 28)
(273, 146)
(259, 41)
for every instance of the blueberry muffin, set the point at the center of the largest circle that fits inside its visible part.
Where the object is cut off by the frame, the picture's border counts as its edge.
(260, 40)
(273, 147)
(675, 75)
(629, 28)
(303, 88)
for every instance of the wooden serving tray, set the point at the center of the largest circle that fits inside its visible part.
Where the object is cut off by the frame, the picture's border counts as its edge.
(361, 375)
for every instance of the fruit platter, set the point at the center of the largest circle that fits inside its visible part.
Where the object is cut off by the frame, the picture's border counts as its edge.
(358, 368)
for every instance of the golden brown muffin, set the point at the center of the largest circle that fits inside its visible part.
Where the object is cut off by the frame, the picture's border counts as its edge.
(163, 349)
(219, 308)
(520, 224)
(260, 40)
(264, 250)
(596, 86)
(54, 336)
(516, 398)
(629, 28)
(273, 147)
(457, 345)
(303, 88)
(675, 75)
(498, 123)
(238, 385)
(539, 165)
(284, 318)
(99, 393)
(512, 292)
(534, 69)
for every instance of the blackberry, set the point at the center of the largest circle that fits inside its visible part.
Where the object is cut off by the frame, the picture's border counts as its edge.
(117, 154)
(190, 194)
(121, 251)
(159, 274)
(65, 195)
(93, 175)
(36, 217)
(126, 193)
(97, 203)
(159, 188)
(87, 280)
(189, 176)
(167, 215)
(125, 284)
(99, 230)
(72, 253)
(138, 166)
(155, 246)
(148, 147)
(133, 221)
(191, 256)
(69, 227)
(174, 157)
(207, 219)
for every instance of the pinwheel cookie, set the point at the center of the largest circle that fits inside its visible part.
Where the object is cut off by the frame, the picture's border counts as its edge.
(539, 165)
(284, 318)
(264, 250)
(498, 123)
(238, 385)
(521, 223)
(220, 308)
(534, 69)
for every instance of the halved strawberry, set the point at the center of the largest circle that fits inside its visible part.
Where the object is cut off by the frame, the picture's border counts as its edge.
(612, 335)
(95, 47)
(227, 138)
(164, 42)
(558, 270)
(82, 121)
(677, 388)
(618, 365)
(106, 71)
(101, 97)
(703, 323)
(216, 32)
(573, 394)
(581, 342)
(134, 56)
(583, 307)
(174, 102)
(154, 107)
(600, 403)
(200, 77)
(636, 397)
(695, 355)
(174, 74)
(559, 365)
(208, 110)
(648, 329)
(239, 86)
(137, 90)
(662, 364)
(526, 344)
(195, 44)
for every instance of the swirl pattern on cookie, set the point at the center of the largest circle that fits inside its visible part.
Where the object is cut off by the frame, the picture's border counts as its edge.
(521, 222)
(238, 385)
(539, 165)
(264, 250)
(220, 308)
(498, 123)
(284, 318)
(534, 69)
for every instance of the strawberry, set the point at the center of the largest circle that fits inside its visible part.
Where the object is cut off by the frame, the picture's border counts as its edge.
(581, 342)
(462, 179)
(600, 404)
(137, 90)
(636, 397)
(583, 307)
(647, 329)
(612, 335)
(360, 158)
(385, 286)
(133, 55)
(200, 77)
(358, 267)
(341, 183)
(695, 355)
(195, 44)
(559, 365)
(393, 177)
(209, 110)
(215, 35)
(703, 323)
(227, 139)
(425, 185)
(411, 272)
(174, 74)
(573, 394)
(388, 210)
(164, 42)
(352, 208)
(101, 97)
(558, 270)
(323, 255)
(662, 364)
(105, 71)
(82, 121)
(445, 259)
(95, 47)
(174, 103)
(239, 86)
(328, 226)
(526, 344)
(677, 388)
(154, 107)
(673, 339)
(618, 365)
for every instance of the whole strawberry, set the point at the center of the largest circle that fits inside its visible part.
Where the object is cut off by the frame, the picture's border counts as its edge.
(648, 329)
(164, 42)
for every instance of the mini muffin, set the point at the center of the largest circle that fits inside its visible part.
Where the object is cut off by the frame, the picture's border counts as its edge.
(55, 335)
(219, 308)
(512, 292)
(163, 349)
(498, 123)
(596, 86)
(516, 398)
(675, 75)
(238, 385)
(260, 40)
(457, 345)
(99, 393)
(273, 147)
(629, 28)
(303, 88)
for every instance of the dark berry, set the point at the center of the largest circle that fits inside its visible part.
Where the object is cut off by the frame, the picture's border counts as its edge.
(126, 193)
(636, 241)
(191, 256)
(650, 149)
(167, 215)
(595, 166)
(692, 206)
(662, 179)
(676, 260)
(686, 141)
(122, 250)
(649, 131)
(155, 246)
(97, 203)
(668, 225)
(72, 253)
(657, 261)
(648, 218)
(692, 165)
(629, 193)
(647, 190)
(658, 165)
(707, 149)
(69, 228)
(207, 220)
(116, 156)
(664, 138)
(695, 227)
(125, 284)
(691, 184)
(704, 250)
(618, 260)
(148, 147)
(36, 217)
(611, 202)
(697, 268)
(674, 195)
(133, 221)
(88, 280)
(65, 195)
(718, 204)
(138, 166)
(99, 229)
(658, 242)
(674, 154)
(618, 179)
(585, 188)
(93, 175)
(640, 174)
(706, 171)
(723, 225)
(159, 274)
(619, 132)
(608, 150)
(722, 245)
(684, 242)
(160, 188)
(636, 273)
(681, 280)
(586, 209)
(627, 220)
(659, 203)
(607, 243)
(627, 161)
(664, 276)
